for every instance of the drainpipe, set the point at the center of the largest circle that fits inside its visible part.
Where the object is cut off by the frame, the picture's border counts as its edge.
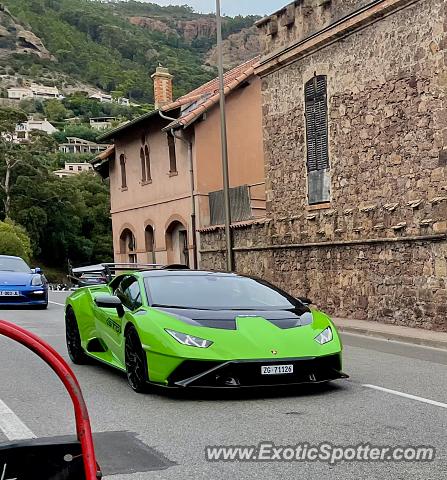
(191, 175)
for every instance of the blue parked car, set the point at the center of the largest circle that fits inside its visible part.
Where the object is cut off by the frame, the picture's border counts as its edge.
(21, 285)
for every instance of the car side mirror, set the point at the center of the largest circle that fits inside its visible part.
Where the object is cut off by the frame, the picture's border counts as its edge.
(305, 300)
(110, 301)
(37, 270)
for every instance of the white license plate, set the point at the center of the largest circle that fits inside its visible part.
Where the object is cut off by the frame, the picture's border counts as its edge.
(276, 369)
(8, 293)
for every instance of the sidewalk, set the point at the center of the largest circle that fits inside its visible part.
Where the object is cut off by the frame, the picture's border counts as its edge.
(417, 336)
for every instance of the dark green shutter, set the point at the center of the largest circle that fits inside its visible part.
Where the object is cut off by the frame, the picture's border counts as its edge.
(316, 124)
(318, 176)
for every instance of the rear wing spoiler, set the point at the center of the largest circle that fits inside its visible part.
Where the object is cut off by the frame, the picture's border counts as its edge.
(103, 273)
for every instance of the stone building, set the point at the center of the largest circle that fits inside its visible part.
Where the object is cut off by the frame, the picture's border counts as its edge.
(355, 138)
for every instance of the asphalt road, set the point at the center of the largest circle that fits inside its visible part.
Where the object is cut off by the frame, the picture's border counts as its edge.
(157, 436)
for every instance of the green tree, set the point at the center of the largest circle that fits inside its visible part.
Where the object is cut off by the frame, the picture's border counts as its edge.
(14, 240)
(77, 130)
(10, 244)
(66, 218)
(55, 111)
(12, 154)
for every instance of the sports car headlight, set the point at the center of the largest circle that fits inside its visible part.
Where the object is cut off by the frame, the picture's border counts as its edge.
(37, 281)
(325, 336)
(185, 339)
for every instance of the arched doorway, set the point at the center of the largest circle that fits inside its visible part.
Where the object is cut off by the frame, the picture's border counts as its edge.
(128, 246)
(150, 243)
(177, 243)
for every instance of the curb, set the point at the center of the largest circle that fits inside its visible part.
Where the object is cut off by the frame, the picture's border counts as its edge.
(424, 342)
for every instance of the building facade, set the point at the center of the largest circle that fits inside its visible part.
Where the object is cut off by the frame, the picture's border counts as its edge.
(107, 98)
(36, 91)
(24, 130)
(165, 169)
(355, 138)
(19, 93)
(79, 145)
(73, 168)
(102, 123)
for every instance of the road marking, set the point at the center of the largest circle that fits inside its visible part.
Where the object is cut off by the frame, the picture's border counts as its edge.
(12, 426)
(55, 303)
(407, 395)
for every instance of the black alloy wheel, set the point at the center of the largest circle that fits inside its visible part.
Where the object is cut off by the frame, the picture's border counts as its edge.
(73, 339)
(136, 365)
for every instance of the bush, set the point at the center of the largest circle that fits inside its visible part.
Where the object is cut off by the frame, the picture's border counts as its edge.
(14, 240)
(10, 244)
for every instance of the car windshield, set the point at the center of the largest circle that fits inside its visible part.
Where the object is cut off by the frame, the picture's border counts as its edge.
(9, 264)
(217, 292)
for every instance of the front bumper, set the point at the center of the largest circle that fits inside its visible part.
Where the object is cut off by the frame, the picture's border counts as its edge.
(247, 373)
(27, 297)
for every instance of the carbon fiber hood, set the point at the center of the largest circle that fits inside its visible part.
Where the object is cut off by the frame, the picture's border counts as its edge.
(226, 319)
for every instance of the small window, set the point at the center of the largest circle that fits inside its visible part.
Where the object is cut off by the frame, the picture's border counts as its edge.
(315, 93)
(143, 165)
(70, 167)
(147, 158)
(129, 293)
(150, 243)
(172, 154)
(123, 171)
(79, 168)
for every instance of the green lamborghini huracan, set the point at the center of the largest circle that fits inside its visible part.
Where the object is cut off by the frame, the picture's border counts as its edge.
(176, 327)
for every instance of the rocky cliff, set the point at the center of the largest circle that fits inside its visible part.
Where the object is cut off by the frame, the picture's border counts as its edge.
(237, 48)
(189, 30)
(16, 38)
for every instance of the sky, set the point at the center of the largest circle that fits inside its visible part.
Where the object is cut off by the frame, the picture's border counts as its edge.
(231, 7)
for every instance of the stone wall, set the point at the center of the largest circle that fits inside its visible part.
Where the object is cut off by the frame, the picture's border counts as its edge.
(387, 115)
(302, 18)
(402, 282)
(378, 249)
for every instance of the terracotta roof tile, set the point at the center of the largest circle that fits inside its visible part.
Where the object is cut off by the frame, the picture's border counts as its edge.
(204, 97)
(213, 85)
(196, 102)
(106, 153)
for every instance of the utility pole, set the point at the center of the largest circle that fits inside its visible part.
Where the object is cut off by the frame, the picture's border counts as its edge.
(223, 126)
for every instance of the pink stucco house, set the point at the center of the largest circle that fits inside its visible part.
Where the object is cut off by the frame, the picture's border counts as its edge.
(165, 168)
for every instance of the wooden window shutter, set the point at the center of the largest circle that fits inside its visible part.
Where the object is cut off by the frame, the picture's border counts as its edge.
(318, 175)
(317, 124)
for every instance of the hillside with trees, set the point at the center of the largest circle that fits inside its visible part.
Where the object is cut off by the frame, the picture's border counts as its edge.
(84, 47)
(116, 46)
(45, 217)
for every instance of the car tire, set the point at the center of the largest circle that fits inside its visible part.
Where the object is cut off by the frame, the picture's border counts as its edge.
(136, 363)
(73, 339)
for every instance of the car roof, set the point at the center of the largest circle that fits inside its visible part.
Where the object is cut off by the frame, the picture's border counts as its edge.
(10, 256)
(185, 273)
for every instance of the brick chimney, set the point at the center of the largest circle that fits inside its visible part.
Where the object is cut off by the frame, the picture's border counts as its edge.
(162, 86)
